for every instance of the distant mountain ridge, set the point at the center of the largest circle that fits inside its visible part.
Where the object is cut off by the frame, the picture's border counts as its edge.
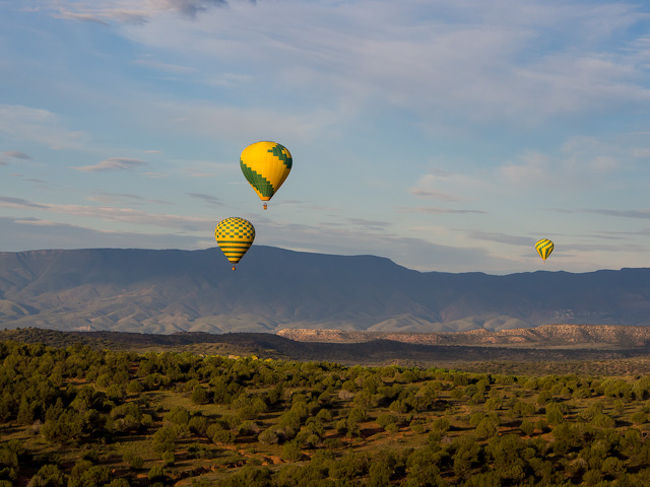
(166, 291)
(553, 335)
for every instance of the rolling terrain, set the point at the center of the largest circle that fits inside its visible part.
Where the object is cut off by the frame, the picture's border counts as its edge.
(378, 351)
(82, 416)
(167, 291)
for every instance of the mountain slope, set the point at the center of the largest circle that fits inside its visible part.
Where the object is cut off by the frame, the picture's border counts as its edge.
(163, 291)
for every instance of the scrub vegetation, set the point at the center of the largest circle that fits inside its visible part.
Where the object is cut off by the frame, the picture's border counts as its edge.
(80, 416)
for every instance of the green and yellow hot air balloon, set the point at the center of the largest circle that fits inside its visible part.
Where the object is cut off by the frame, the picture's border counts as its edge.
(544, 248)
(234, 236)
(266, 165)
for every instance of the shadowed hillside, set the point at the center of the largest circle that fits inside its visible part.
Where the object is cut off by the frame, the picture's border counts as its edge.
(165, 291)
(265, 345)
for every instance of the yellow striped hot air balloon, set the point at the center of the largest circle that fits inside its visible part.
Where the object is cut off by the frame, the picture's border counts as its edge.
(234, 236)
(544, 248)
(266, 165)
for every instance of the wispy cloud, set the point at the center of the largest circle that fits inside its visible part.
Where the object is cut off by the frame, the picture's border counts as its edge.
(206, 198)
(9, 202)
(502, 238)
(192, 7)
(112, 163)
(372, 225)
(619, 213)
(532, 168)
(109, 198)
(24, 123)
(441, 211)
(457, 186)
(27, 234)
(14, 154)
(133, 216)
(633, 213)
(350, 240)
(66, 14)
(468, 60)
(227, 122)
(166, 67)
(436, 195)
(122, 215)
(130, 11)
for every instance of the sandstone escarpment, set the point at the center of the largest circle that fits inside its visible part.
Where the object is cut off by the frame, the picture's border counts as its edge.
(554, 335)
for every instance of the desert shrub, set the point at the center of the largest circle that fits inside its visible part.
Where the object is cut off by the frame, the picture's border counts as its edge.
(48, 476)
(291, 451)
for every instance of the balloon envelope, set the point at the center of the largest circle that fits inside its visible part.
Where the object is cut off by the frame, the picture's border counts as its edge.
(544, 248)
(234, 236)
(266, 165)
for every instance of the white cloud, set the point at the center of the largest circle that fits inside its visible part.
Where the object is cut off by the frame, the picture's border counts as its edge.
(510, 61)
(130, 11)
(470, 60)
(112, 163)
(24, 123)
(581, 163)
(166, 67)
(533, 169)
(121, 215)
(446, 186)
(230, 122)
(133, 216)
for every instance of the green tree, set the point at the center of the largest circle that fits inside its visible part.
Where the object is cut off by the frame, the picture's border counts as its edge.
(164, 440)
(554, 413)
(48, 476)
(200, 396)
(291, 451)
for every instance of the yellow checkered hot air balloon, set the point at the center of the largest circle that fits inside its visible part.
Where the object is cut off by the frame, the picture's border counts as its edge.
(266, 165)
(544, 248)
(234, 236)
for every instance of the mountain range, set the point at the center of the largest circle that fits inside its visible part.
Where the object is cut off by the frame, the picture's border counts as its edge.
(166, 291)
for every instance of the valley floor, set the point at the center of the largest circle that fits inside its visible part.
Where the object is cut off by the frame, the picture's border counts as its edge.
(84, 416)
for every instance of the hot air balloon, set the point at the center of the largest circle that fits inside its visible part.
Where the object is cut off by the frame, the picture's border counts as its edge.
(544, 248)
(234, 236)
(266, 165)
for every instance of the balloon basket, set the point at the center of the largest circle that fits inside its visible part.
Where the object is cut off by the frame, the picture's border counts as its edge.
(265, 206)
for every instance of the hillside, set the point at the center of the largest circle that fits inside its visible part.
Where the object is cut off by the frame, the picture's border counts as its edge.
(545, 336)
(380, 351)
(167, 291)
(88, 417)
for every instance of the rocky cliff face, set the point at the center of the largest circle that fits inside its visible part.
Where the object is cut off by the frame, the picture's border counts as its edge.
(555, 335)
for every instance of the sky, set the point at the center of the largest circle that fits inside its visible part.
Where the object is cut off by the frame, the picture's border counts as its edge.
(446, 136)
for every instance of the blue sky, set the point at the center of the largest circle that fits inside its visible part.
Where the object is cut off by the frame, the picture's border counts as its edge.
(444, 135)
